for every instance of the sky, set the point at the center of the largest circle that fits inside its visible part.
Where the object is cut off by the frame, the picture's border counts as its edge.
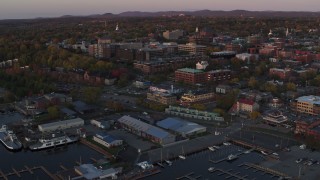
(22, 9)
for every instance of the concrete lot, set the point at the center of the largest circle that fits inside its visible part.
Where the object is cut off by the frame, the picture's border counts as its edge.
(133, 140)
(288, 165)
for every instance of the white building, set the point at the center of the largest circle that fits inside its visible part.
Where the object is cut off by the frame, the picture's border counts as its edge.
(60, 125)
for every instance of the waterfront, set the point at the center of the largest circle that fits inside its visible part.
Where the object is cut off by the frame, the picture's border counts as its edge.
(51, 159)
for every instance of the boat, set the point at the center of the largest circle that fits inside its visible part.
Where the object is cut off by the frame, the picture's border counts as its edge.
(226, 143)
(247, 152)
(211, 148)
(168, 162)
(182, 155)
(216, 147)
(54, 141)
(232, 157)
(9, 139)
(264, 153)
(211, 169)
(160, 164)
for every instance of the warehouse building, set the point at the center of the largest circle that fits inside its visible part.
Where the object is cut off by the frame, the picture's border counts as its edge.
(182, 127)
(60, 125)
(107, 140)
(146, 130)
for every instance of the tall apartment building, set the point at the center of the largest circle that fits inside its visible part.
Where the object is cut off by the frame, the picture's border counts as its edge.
(219, 75)
(176, 34)
(190, 76)
(282, 73)
(192, 48)
(196, 97)
(163, 98)
(307, 104)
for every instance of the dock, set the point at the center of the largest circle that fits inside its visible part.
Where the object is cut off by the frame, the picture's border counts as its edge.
(265, 170)
(230, 174)
(19, 173)
(141, 175)
(96, 148)
(248, 145)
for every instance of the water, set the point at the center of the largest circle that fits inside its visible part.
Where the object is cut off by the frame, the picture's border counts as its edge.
(51, 159)
(199, 164)
(10, 117)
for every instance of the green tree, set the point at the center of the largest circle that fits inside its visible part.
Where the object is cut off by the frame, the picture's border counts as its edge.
(254, 115)
(253, 83)
(53, 112)
(199, 107)
(91, 94)
(291, 86)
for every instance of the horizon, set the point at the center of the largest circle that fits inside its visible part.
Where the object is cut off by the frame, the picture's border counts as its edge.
(85, 15)
(18, 9)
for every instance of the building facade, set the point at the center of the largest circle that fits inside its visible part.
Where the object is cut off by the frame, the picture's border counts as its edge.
(196, 97)
(219, 75)
(190, 76)
(163, 98)
(193, 113)
(192, 48)
(307, 105)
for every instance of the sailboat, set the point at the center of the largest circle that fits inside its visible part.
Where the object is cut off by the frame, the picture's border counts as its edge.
(167, 160)
(182, 155)
(211, 148)
(160, 163)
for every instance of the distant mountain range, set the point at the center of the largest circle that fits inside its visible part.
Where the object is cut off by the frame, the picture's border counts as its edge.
(209, 13)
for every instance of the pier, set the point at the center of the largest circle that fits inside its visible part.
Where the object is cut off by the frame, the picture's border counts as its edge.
(189, 176)
(248, 145)
(27, 169)
(265, 170)
(230, 175)
(140, 175)
(96, 148)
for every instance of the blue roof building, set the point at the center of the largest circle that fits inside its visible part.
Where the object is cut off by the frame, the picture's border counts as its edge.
(182, 127)
(107, 140)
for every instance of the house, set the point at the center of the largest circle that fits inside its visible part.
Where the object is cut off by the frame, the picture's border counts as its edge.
(274, 117)
(223, 89)
(246, 106)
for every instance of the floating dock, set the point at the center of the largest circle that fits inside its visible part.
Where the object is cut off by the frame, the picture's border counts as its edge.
(19, 173)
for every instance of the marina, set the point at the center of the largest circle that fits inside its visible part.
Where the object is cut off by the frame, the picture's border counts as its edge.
(216, 165)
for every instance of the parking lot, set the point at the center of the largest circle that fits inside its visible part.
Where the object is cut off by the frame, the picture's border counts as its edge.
(288, 164)
(133, 140)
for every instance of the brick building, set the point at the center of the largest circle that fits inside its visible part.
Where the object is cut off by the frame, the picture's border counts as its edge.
(190, 76)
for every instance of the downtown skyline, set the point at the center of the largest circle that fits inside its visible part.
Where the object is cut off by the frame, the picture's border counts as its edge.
(20, 9)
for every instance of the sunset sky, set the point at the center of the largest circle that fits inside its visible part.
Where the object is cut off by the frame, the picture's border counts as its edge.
(12, 9)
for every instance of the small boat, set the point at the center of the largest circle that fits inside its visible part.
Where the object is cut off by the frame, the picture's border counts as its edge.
(168, 162)
(216, 147)
(264, 153)
(247, 152)
(211, 148)
(160, 164)
(232, 157)
(226, 143)
(211, 169)
(182, 157)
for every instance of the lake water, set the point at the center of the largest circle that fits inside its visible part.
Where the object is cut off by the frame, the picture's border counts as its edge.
(51, 159)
